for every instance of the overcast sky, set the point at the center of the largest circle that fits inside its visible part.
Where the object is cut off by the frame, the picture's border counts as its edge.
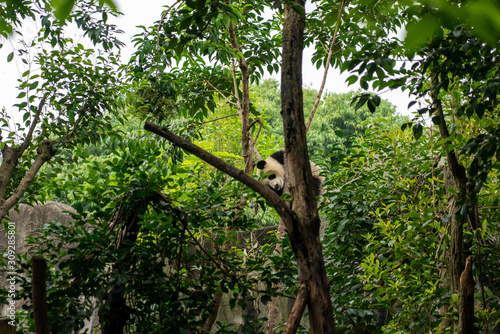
(138, 13)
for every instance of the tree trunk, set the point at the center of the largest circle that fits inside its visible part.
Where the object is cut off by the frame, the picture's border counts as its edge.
(466, 301)
(115, 312)
(304, 232)
(302, 219)
(39, 295)
(243, 106)
(462, 210)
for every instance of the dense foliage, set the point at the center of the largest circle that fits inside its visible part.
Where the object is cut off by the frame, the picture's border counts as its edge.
(160, 237)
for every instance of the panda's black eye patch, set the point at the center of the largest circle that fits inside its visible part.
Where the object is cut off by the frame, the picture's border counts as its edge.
(272, 176)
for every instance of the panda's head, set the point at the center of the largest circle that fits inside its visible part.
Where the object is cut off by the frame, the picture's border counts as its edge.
(273, 168)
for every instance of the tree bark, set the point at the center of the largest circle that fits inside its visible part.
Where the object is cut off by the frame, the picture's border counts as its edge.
(298, 309)
(11, 156)
(115, 313)
(304, 234)
(39, 295)
(466, 301)
(10, 159)
(462, 210)
(274, 304)
(226, 168)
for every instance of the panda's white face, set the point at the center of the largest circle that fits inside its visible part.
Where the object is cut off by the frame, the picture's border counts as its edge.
(275, 174)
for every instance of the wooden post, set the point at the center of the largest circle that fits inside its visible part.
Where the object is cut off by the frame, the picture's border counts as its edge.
(39, 295)
(6, 328)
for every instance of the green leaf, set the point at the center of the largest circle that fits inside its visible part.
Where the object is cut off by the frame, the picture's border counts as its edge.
(10, 57)
(371, 106)
(341, 226)
(361, 102)
(297, 8)
(110, 3)
(62, 8)
(352, 79)
(406, 125)
(34, 85)
(420, 33)
(436, 120)
(417, 131)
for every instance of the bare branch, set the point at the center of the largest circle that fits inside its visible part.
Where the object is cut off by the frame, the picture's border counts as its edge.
(221, 93)
(33, 125)
(218, 119)
(327, 66)
(236, 95)
(258, 120)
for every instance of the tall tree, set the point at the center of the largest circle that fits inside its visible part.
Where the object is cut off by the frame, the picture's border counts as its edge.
(451, 55)
(304, 236)
(302, 219)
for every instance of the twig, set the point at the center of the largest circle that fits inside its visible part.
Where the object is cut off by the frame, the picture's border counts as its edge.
(297, 310)
(27, 140)
(221, 94)
(327, 66)
(217, 119)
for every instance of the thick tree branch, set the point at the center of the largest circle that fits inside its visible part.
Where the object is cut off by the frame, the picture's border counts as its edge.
(226, 168)
(298, 309)
(305, 239)
(12, 154)
(466, 301)
(457, 169)
(44, 153)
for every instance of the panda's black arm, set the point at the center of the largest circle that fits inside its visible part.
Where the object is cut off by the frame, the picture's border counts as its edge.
(269, 195)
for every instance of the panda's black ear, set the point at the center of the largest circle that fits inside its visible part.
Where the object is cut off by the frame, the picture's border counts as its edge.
(261, 164)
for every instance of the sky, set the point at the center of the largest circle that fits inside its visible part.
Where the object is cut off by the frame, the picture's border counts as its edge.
(136, 13)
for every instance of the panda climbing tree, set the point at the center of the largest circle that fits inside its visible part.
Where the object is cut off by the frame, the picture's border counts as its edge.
(301, 219)
(274, 170)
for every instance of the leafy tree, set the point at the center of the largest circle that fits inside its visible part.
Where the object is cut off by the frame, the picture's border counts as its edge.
(148, 233)
(445, 50)
(68, 100)
(386, 241)
(197, 19)
(400, 209)
(384, 208)
(13, 12)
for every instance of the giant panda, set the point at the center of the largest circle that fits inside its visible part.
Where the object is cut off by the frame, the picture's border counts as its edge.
(274, 168)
